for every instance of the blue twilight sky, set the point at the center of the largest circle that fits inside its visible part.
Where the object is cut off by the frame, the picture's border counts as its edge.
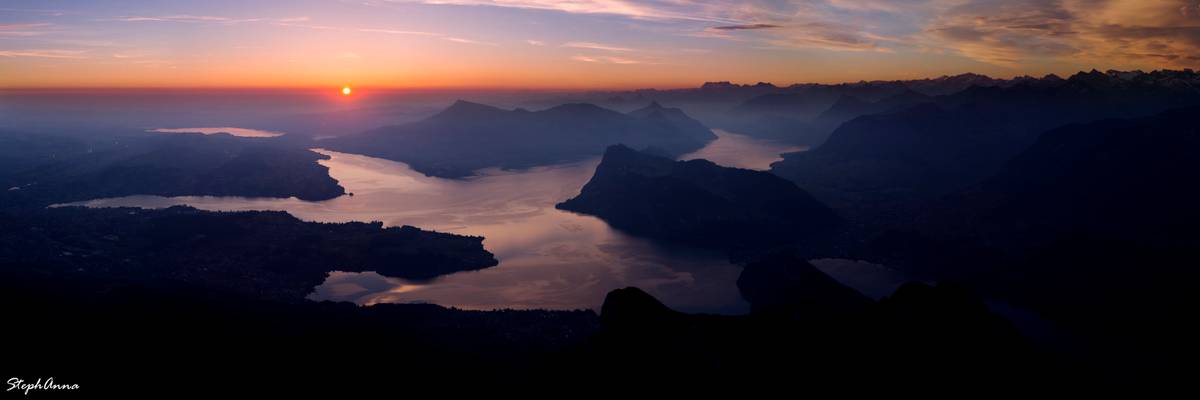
(577, 43)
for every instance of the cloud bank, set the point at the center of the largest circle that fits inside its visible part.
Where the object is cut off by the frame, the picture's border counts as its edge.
(1010, 33)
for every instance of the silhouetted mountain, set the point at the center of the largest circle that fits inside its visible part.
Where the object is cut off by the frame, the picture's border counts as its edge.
(709, 93)
(781, 283)
(1114, 180)
(804, 105)
(874, 91)
(787, 116)
(56, 170)
(630, 308)
(850, 107)
(779, 112)
(1090, 226)
(792, 114)
(806, 114)
(1119, 179)
(881, 165)
(468, 112)
(919, 331)
(950, 321)
(726, 85)
(466, 137)
(697, 201)
(947, 84)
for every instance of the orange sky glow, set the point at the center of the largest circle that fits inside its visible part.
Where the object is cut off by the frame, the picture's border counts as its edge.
(583, 44)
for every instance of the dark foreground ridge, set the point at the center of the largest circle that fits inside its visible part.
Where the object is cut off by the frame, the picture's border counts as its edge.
(175, 335)
(810, 330)
(699, 202)
(919, 332)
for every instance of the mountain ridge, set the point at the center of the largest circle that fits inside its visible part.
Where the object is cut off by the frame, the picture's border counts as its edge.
(468, 136)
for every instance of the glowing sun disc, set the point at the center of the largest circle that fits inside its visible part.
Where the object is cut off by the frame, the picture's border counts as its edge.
(345, 90)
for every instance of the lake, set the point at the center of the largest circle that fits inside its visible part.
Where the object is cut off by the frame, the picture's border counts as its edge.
(548, 258)
(741, 151)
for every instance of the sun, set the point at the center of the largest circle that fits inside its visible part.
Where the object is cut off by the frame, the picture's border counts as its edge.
(345, 90)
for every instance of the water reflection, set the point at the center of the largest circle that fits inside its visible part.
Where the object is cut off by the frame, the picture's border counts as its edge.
(548, 258)
(741, 151)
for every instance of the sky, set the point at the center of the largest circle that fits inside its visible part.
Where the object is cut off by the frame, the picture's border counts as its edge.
(577, 44)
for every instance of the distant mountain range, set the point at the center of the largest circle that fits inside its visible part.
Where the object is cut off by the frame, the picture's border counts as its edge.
(726, 92)
(468, 136)
(880, 164)
(790, 113)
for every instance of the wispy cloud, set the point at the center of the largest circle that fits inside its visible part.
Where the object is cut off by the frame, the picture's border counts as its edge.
(641, 9)
(184, 18)
(822, 24)
(1010, 33)
(44, 53)
(608, 60)
(24, 30)
(467, 41)
(1020, 34)
(180, 18)
(888, 6)
(619, 60)
(45, 12)
(385, 31)
(744, 27)
(1133, 33)
(826, 36)
(596, 46)
(394, 32)
(22, 27)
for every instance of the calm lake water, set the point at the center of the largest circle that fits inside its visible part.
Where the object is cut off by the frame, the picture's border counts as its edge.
(741, 151)
(548, 258)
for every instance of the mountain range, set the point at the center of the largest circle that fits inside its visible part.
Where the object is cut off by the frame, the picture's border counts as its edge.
(883, 164)
(467, 137)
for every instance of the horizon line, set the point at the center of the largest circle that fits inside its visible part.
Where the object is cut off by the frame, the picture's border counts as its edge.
(510, 88)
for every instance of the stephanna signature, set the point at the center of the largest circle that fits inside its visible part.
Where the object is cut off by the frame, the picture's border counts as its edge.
(40, 384)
